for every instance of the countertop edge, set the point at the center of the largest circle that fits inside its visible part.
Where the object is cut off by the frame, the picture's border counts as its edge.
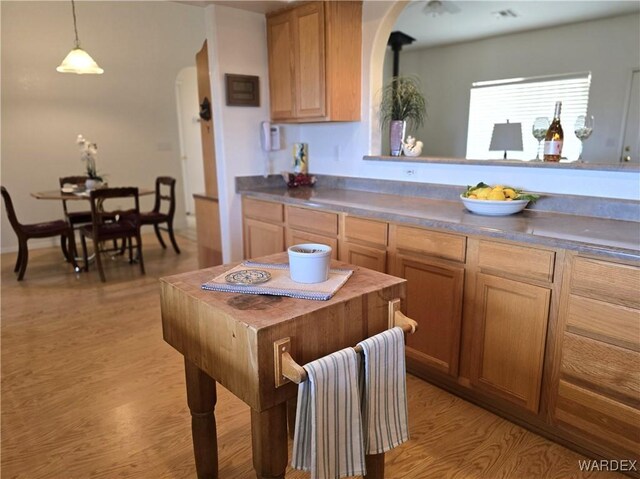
(548, 241)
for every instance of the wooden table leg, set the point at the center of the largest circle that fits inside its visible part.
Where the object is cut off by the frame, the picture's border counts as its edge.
(269, 442)
(375, 466)
(292, 406)
(201, 397)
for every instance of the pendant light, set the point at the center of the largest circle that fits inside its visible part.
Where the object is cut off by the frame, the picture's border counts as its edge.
(78, 61)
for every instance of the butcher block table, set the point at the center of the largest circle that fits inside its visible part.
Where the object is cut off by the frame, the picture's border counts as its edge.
(229, 338)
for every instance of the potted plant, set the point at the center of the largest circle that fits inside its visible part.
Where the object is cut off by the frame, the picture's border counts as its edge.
(402, 105)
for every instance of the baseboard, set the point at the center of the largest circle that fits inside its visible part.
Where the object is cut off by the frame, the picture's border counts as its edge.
(33, 244)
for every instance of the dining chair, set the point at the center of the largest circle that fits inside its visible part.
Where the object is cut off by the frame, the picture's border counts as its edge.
(45, 229)
(111, 225)
(74, 217)
(165, 192)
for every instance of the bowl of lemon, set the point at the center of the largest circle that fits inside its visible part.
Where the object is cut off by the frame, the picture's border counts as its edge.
(498, 200)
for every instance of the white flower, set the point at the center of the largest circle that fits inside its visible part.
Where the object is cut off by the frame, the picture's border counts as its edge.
(88, 153)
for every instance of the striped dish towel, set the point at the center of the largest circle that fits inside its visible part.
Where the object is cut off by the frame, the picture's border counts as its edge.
(384, 392)
(328, 433)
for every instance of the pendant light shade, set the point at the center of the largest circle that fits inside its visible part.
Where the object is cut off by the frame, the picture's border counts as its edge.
(78, 61)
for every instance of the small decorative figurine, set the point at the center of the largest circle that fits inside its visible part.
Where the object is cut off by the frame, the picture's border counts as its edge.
(411, 147)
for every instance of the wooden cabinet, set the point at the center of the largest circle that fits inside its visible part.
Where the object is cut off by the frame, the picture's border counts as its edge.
(512, 298)
(315, 62)
(434, 295)
(547, 336)
(306, 225)
(208, 231)
(597, 391)
(263, 227)
(510, 333)
(364, 243)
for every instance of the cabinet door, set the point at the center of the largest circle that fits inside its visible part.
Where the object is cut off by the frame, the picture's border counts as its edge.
(296, 237)
(281, 65)
(509, 339)
(434, 300)
(261, 239)
(364, 256)
(309, 55)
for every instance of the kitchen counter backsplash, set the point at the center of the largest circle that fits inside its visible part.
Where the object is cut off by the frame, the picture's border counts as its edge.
(610, 208)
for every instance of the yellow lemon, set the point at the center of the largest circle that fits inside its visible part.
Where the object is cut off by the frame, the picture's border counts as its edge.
(496, 194)
(482, 193)
(510, 193)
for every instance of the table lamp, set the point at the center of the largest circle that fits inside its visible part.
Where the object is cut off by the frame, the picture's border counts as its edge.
(506, 136)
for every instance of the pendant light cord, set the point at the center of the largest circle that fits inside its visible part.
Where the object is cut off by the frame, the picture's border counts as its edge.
(75, 27)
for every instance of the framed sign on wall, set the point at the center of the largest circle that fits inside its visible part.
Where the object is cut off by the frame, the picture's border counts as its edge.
(242, 90)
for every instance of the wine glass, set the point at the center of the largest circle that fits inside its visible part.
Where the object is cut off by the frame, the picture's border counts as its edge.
(583, 128)
(539, 131)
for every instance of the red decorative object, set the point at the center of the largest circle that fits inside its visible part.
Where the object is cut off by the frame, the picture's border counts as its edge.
(294, 180)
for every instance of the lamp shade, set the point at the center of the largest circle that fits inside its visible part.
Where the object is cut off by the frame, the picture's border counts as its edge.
(506, 136)
(80, 62)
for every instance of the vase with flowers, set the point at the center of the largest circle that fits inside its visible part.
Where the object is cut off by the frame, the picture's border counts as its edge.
(88, 153)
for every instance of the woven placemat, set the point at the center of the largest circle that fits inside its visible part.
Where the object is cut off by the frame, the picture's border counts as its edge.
(280, 283)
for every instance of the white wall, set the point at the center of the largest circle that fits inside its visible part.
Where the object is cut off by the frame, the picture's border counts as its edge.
(353, 140)
(608, 48)
(237, 45)
(130, 110)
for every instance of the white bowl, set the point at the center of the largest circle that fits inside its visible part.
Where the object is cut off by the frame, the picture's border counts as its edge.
(309, 262)
(494, 208)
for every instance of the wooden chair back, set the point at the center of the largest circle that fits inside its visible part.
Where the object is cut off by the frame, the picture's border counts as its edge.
(72, 180)
(11, 212)
(101, 214)
(165, 192)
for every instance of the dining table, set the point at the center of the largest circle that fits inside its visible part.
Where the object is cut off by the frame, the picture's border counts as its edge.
(77, 196)
(60, 195)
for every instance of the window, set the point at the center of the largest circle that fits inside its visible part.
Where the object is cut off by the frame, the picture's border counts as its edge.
(522, 100)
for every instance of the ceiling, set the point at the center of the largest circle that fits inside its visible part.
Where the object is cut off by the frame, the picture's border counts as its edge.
(258, 6)
(473, 19)
(480, 18)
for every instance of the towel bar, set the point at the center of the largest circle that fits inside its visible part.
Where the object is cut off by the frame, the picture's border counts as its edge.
(286, 369)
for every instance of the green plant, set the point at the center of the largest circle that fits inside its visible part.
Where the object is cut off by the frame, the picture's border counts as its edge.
(402, 99)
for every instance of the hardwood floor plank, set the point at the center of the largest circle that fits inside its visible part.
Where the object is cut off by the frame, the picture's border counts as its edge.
(90, 390)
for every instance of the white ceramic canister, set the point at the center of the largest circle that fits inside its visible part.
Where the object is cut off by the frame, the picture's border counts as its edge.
(309, 262)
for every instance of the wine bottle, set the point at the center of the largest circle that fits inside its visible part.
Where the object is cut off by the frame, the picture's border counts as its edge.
(554, 138)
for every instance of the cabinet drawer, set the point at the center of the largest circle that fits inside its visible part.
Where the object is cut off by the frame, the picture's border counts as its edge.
(364, 256)
(263, 210)
(443, 245)
(608, 370)
(522, 261)
(600, 417)
(298, 237)
(611, 282)
(611, 323)
(365, 231)
(312, 220)
(261, 239)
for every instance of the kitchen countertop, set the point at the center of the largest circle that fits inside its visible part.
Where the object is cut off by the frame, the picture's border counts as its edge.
(603, 236)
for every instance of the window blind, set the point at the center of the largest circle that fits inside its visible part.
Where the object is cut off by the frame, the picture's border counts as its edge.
(522, 100)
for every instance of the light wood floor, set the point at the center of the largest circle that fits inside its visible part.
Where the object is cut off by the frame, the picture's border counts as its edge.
(90, 390)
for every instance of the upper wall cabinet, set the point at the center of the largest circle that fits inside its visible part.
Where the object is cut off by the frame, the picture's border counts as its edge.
(315, 62)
